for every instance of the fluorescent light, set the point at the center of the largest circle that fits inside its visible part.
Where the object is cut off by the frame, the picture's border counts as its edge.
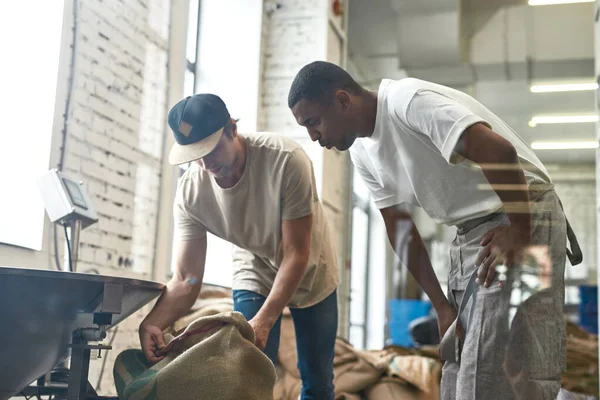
(563, 119)
(552, 2)
(542, 145)
(564, 87)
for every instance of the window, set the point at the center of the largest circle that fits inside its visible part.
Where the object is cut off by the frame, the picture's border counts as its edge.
(218, 269)
(29, 80)
(191, 51)
(369, 272)
(359, 275)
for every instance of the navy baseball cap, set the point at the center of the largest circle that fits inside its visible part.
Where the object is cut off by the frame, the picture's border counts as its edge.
(197, 123)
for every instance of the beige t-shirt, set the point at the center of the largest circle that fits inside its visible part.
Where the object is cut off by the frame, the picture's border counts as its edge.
(277, 184)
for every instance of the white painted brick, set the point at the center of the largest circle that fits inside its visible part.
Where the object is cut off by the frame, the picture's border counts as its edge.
(90, 236)
(99, 140)
(95, 188)
(112, 226)
(158, 15)
(77, 130)
(103, 74)
(87, 254)
(79, 97)
(115, 135)
(295, 6)
(111, 241)
(106, 206)
(103, 173)
(120, 196)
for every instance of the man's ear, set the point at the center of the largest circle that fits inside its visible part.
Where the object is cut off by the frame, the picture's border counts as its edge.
(232, 132)
(343, 100)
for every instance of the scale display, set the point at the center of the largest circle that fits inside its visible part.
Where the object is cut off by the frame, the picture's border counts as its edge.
(75, 193)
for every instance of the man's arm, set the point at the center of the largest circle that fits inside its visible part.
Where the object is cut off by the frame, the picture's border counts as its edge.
(296, 235)
(455, 129)
(419, 264)
(499, 161)
(178, 297)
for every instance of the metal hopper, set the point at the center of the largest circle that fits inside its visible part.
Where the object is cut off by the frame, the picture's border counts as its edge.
(43, 313)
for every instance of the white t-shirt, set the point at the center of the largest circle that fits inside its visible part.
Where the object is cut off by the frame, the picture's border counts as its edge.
(410, 159)
(277, 184)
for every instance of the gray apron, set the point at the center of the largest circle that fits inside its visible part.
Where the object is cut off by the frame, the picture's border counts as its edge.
(505, 354)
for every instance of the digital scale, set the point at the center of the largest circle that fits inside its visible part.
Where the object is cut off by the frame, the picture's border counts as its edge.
(48, 316)
(68, 204)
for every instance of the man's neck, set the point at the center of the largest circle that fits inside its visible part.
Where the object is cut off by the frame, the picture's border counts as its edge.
(368, 113)
(237, 171)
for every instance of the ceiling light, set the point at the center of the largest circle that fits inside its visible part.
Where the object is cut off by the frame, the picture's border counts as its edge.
(563, 119)
(552, 2)
(542, 145)
(564, 87)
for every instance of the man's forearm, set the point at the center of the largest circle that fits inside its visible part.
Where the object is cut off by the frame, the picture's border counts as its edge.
(507, 179)
(286, 282)
(177, 299)
(500, 164)
(419, 265)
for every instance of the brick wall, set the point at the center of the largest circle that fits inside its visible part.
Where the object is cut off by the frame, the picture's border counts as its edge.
(116, 128)
(291, 39)
(115, 144)
(297, 33)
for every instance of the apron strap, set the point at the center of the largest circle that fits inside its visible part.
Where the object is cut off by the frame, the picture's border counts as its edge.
(574, 254)
(450, 343)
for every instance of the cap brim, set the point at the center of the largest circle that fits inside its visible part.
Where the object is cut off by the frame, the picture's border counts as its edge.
(181, 154)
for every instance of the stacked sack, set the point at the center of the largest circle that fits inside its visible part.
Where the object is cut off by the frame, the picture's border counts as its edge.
(581, 375)
(213, 358)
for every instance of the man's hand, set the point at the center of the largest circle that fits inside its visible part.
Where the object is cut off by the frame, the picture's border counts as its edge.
(501, 246)
(446, 317)
(261, 328)
(151, 339)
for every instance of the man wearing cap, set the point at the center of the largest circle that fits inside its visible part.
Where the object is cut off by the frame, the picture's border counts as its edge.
(258, 192)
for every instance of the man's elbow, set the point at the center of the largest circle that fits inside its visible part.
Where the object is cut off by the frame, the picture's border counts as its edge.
(501, 151)
(303, 258)
(184, 281)
(300, 258)
(484, 146)
(506, 152)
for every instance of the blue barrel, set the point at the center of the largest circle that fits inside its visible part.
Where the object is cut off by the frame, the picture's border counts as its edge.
(588, 308)
(401, 313)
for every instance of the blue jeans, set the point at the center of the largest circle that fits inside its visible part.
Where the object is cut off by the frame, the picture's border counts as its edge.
(316, 330)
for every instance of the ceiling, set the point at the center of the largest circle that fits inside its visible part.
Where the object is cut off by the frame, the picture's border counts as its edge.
(492, 49)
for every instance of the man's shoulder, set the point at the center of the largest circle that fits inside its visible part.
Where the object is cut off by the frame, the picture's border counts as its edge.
(358, 153)
(270, 142)
(192, 182)
(190, 173)
(410, 83)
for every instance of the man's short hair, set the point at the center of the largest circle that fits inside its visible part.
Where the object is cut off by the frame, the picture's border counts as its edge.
(318, 82)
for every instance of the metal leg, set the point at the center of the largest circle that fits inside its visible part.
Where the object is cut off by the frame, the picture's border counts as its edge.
(80, 359)
(79, 370)
(75, 230)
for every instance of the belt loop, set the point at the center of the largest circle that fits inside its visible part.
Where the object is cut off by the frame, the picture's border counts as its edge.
(575, 254)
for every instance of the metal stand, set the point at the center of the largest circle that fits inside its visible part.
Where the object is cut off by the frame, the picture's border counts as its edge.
(111, 302)
(74, 230)
(80, 359)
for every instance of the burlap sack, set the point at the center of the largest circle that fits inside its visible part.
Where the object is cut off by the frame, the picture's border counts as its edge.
(203, 308)
(422, 372)
(214, 358)
(393, 389)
